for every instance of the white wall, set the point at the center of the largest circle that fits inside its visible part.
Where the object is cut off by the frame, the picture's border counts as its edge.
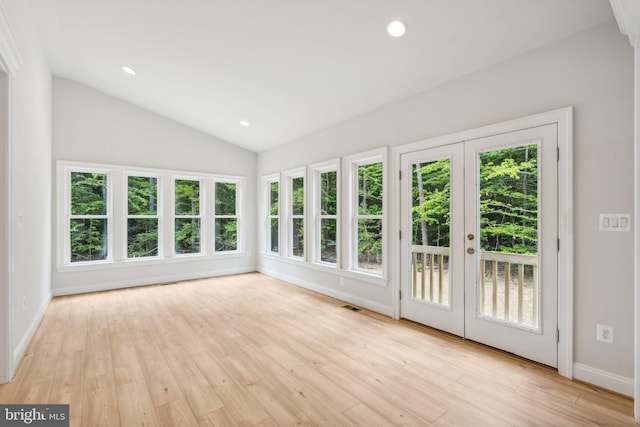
(30, 205)
(592, 71)
(90, 126)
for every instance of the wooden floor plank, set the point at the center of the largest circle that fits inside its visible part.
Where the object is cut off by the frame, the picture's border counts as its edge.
(135, 405)
(197, 391)
(252, 350)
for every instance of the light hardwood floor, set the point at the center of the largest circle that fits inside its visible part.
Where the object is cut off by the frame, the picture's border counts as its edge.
(251, 350)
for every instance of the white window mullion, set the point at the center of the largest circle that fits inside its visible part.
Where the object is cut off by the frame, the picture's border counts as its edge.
(207, 209)
(117, 207)
(168, 216)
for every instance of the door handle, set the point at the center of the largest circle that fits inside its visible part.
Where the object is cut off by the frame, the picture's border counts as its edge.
(471, 251)
(470, 236)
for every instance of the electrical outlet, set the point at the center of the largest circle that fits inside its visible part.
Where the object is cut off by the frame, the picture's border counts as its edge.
(342, 281)
(604, 333)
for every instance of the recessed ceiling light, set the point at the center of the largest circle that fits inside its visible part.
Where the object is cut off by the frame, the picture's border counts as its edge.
(397, 29)
(129, 70)
(244, 123)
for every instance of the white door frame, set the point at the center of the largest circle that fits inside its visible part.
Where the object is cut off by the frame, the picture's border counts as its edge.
(10, 62)
(563, 118)
(5, 274)
(627, 14)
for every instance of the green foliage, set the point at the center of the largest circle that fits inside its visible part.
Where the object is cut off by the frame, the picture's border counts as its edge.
(297, 196)
(370, 244)
(226, 234)
(370, 185)
(142, 195)
(187, 194)
(328, 237)
(328, 206)
(273, 198)
(88, 235)
(142, 233)
(88, 239)
(142, 237)
(89, 198)
(187, 235)
(88, 193)
(225, 198)
(431, 202)
(297, 237)
(370, 189)
(329, 193)
(508, 201)
(187, 230)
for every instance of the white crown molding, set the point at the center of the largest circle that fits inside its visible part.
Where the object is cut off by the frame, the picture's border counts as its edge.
(9, 51)
(627, 13)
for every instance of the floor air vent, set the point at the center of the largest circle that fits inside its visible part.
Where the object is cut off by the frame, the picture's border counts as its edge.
(350, 307)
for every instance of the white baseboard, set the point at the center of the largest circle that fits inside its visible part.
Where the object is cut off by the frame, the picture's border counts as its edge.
(352, 299)
(19, 350)
(604, 379)
(108, 286)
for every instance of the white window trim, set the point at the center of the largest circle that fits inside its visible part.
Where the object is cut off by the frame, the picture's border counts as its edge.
(267, 180)
(239, 205)
(350, 188)
(158, 216)
(315, 217)
(286, 212)
(117, 190)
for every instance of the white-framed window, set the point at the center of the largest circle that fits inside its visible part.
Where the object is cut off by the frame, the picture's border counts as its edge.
(325, 209)
(88, 222)
(272, 225)
(366, 211)
(110, 214)
(187, 215)
(143, 216)
(227, 196)
(295, 213)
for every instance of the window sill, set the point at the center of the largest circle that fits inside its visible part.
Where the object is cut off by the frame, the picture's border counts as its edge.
(373, 279)
(137, 262)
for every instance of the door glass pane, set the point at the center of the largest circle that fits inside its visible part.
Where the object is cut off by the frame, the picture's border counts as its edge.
(431, 220)
(508, 196)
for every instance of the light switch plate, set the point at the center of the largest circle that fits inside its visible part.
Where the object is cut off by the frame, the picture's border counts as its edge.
(615, 222)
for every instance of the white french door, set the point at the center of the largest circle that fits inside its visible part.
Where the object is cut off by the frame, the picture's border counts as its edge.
(480, 256)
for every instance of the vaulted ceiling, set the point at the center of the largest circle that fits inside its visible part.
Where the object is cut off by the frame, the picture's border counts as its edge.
(289, 67)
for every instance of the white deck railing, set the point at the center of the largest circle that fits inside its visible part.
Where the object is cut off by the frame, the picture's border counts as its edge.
(430, 274)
